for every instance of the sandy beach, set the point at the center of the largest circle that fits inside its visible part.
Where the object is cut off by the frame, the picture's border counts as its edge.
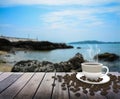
(3, 52)
(5, 67)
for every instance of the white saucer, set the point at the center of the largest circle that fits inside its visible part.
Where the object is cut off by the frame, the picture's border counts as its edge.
(106, 78)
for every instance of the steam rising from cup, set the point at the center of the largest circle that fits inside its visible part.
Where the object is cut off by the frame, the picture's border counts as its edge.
(92, 51)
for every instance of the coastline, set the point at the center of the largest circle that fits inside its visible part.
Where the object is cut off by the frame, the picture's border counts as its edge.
(8, 48)
(7, 45)
(73, 64)
(58, 56)
(4, 66)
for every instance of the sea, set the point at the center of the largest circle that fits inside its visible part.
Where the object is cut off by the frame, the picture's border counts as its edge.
(59, 55)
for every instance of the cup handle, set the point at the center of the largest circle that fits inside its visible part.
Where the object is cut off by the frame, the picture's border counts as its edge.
(106, 71)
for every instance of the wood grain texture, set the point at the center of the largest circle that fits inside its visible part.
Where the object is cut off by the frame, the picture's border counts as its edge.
(45, 89)
(5, 75)
(1, 73)
(39, 86)
(111, 94)
(73, 96)
(58, 93)
(11, 91)
(97, 96)
(28, 91)
(9, 81)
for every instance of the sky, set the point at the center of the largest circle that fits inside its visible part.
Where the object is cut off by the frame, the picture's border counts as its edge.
(61, 20)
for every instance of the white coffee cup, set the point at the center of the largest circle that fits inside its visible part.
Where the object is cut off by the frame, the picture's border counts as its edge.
(93, 70)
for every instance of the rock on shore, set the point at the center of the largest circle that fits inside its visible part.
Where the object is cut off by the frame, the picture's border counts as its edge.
(5, 45)
(31, 45)
(110, 57)
(73, 64)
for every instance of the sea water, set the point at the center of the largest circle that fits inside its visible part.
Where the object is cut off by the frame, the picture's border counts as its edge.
(87, 50)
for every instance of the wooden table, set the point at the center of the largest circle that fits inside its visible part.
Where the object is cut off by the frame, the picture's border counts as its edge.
(41, 85)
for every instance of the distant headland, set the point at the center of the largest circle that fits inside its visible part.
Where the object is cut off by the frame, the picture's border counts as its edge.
(12, 43)
(93, 42)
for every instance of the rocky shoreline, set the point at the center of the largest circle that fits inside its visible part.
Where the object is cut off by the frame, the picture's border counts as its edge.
(110, 57)
(37, 66)
(73, 64)
(6, 45)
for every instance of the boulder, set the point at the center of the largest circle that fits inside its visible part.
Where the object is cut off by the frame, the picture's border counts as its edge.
(4, 42)
(36, 66)
(76, 61)
(33, 66)
(78, 47)
(5, 45)
(110, 57)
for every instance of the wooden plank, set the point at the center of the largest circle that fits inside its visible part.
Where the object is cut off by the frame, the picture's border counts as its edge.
(45, 89)
(113, 95)
(28, 91)
(98, 95)
(11, 85)
(1, 73)
(5, 75)
(82, 95)
(11, 91)
(73, 94)
(8, 81)
(58, 93)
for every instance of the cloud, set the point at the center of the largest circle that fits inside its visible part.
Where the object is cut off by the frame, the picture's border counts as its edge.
(72, 18)
(56, 2)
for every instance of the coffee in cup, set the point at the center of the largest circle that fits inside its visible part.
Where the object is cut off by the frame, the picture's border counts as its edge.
(93, 71)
